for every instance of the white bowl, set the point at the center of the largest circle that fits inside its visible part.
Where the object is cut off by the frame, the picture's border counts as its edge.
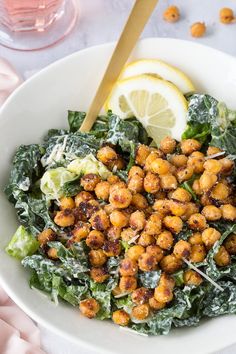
(41, 103)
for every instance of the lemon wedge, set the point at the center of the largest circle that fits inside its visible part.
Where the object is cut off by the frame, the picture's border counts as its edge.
(159, 69)
(158, 104)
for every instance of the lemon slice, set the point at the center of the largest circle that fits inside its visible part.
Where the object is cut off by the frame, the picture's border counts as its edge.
(158, 104)
(159, 69)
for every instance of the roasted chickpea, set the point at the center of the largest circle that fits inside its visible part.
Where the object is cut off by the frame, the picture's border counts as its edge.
(173, 223)
(170, 263)
(106, 155)
(191, 208)
(135, 184)
(198, 253)
(127, 284)
(146, 239)
(127, 234)
(190, 145)
(142, 152)
(120, 198)
(196, 161)
(117, 186)
(220, 191)
(109, 208)
(168, 181)
(177, 208)
(197, 222)
(213, 166)
(46, 236)
(112, 248)
(118, 164)
(160, 166)
(155, 251)
(230, 244)
(181, 195)
(210, 236)
(82, 197)
(154, 224)
(113, 233)
(226, 15)
(167, 281)
(112, 179)
(222, 257)
(139, 201)
(99, 275)
(163, 294)
(97, 258)
(147, 262)
(195, 239)
(95, 239)
(179, 160)
(80, 231)
(136, 170)
(120, 317)
(52, 253)
(182, 249)
(212, 150)
(162, 206)
(192, 278)
(64, 218)
(141, 295)
(207, 181)
(88, 208)
(102, 190)
(89, 181)
(151, 183)
(100, 220)
(134, 252)
(156, 305)
(171, 14)
(226, 166)
(196, 187)
(128, 267)
(89, 307)
(140, 312)
(211, 212)
(66, 203)
(184, 173)
(165, 240)
(137, 220)
(119, 219)
(198, 29)
(205, 199)
(168, 145)
(228, 212)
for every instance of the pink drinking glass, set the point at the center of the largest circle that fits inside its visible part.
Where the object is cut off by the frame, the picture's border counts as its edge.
(35, 24)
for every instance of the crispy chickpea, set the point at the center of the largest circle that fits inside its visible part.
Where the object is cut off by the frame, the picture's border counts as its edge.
(128, 267)
(211, 212)
(167, 281)
(95, 239)
(155, 251)
(108, 208)
(163, 294)
(99, 220)
(102, 190)
(222, 257)
(147, 262)
(165, 240)
(112, 248)
(136, 170)
(226, 166)
(154, 224)
(212, 150)
(177, 208)
(173, 223)
(197, 222)
(226, 15)
(210, 236)
(184, 173)
(181, 195)
(151, 157)
(113, 233)
(198, 29)
(195, 239)
(162, 206)
(179, 160)
(140, 312)
(80, 231)
(156, 305)
(134, 252)
(106, 155)
(89, 181)
(190, 145)
(99, 275)
(64, 218)
(97, 258)
(168, 181)
(120, 198)
(89, 307)
(127, 234)
(196, 187)
(137, 220)
(46, 236)
(168, 145)
(230, 244)
(151, 183)
(66, 203)
(213, 166)
(171, 14)
(139, 201)
(191, 209)
(220, 191)
(192, 278)
(160, 166)
(141, 295)
(170, 264)
(135, 184)
(182, 249)
(205, 199)
(196, 160)
(82, 197)
(198, 253)
(127, 284)
(88, 208)
(118, 164)
(207, 181)
(119, 219)
(121, 318)
(52, 253)
(146, 239)
(142, 152)
(112, 179)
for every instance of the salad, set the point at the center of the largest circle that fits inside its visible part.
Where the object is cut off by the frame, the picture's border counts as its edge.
(126, 225)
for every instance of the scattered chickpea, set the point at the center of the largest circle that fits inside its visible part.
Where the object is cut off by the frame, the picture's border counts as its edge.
(155, 251)
(121, 318)
(171, 14)
(97, 258)
(213, 166)
(211, 212)
(160, 166)
(127, 284)
(99, 220)
(198, 29)
(192, 278)
(196, 187)
(142, 153)
(168, 181)
(198, 253)
(230, 244)
(170, 264)
(64, 218)
(120, 198)
(153, 224)
(112, 179)
(184, 173)
(179, 160)
(151, 183)
(119, 219)
(113, 233)
(146, 239)
(106, 155)
(89, 181)
(165, 240)
(226, 166)
(210, 236)
(127, 234)
(156, 305)
(128, 267)
(178, 208)
(135, 184)
(102, 190)
(95, 239)
(168, 145)
(99, 275)
(222, 257)
(195, 239)
(181, 195)
(220, 191)
(46, 236)
(162, 206)
(80, 231)
(163, 294)
(188, 146)
(147, 262)
(136, 170)
(82, 197)
(139, 201)
(134, 252)
(182, 249)
(140, 312)
(196, 161)
(52, 253)
(212, 150)
(197, 222)
(66, 203)
(112, 248)
(226, 15)
(89, 307)
(141, 295)
(173, 223)
(228, 212)
(137, 220)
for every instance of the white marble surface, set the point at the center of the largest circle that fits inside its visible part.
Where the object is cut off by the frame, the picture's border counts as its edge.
(101, 21)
